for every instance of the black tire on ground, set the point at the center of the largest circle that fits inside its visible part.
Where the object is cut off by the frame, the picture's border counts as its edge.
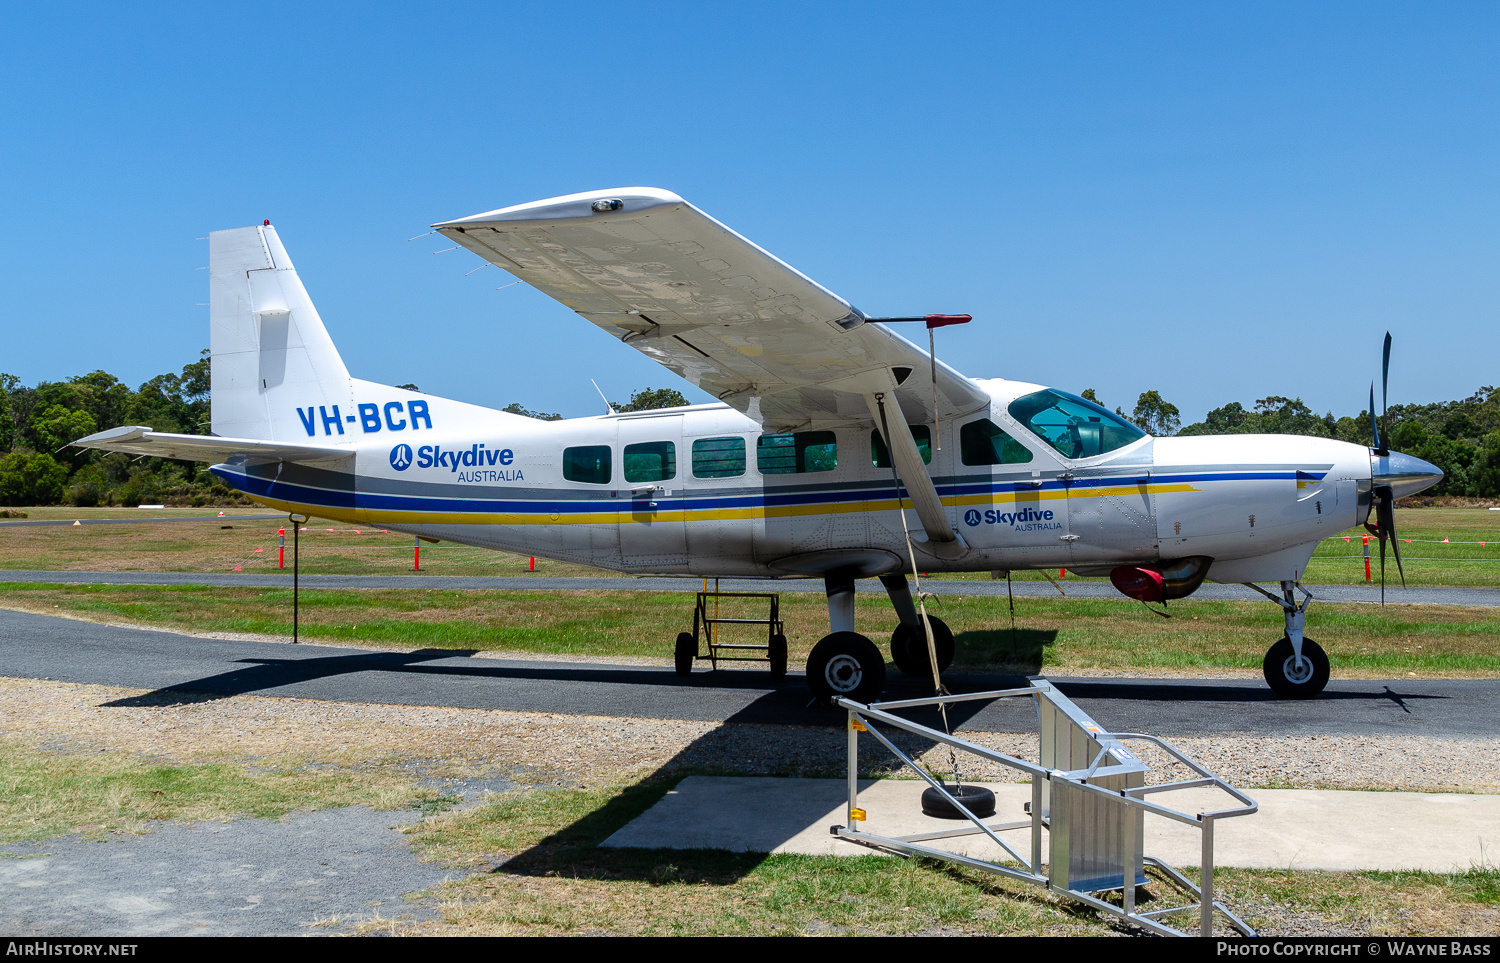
(845, 664)
(777, 655)
(687, 650)
(1291, 681)
(979, 800)
(909, 647)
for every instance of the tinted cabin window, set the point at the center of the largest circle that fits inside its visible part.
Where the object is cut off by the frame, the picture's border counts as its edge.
(797, 453)
(718, 457)
(1075, 427)
(881, 457)
(650, 461)
(983, 442)
(589, 463)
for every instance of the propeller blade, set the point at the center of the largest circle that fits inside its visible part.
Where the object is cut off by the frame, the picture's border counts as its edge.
(1374, 430)
(1382, 569)
(1385, 378)
(1388, 524)
(1385, 515)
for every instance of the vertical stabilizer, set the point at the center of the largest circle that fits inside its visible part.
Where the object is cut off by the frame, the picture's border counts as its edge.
(271, 354)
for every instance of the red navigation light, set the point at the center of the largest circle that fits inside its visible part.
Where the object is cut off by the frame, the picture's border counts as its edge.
(266, 222)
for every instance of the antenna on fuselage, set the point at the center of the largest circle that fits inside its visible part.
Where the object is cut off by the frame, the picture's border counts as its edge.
(607, 405)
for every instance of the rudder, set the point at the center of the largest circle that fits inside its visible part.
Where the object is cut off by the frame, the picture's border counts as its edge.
(273, 363)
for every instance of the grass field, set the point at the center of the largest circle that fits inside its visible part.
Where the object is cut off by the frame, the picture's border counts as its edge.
(1052, 634)
(338, 548)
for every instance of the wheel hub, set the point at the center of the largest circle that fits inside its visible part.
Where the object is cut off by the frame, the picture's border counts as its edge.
(1297, 671)
(843, 673)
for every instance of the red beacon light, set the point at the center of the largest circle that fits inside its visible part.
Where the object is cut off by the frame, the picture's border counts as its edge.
(1167, 579)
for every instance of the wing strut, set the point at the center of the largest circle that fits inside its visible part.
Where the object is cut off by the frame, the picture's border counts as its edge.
(942, 540)
(934, 321)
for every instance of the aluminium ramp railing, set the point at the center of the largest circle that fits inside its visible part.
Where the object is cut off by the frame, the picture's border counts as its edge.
(1088, 797)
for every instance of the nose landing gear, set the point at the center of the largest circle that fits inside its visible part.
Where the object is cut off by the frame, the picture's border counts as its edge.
(1295, 667)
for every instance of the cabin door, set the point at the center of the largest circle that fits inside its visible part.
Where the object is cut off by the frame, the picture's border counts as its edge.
(653, 535)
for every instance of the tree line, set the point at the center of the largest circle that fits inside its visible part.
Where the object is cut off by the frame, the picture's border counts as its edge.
(38, 468)
(1461, 437)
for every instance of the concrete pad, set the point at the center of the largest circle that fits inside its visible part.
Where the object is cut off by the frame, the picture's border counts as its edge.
(1295, 828)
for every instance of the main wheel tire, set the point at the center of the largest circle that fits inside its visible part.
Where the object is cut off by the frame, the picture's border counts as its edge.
(847, 665)
(777, 654)
(1290, 680)
(687, 651)
(909, 647)
(979, 801)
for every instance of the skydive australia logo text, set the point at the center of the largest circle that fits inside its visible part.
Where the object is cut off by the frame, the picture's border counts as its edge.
(1025, 520)
(476, 456)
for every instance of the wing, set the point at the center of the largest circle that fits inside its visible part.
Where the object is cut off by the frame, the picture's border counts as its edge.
(140, 440)
(672, 282)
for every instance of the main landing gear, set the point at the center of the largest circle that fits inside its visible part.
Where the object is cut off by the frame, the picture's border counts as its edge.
(1296, 667)
(849, 665)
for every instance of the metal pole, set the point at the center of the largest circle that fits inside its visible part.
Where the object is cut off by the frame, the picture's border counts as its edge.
(1127, 847)
(853, 770)
(296, 573)
(1206, 881)
(1036, 825)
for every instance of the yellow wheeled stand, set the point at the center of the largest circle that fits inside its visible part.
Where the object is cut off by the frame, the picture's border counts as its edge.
(704, 641)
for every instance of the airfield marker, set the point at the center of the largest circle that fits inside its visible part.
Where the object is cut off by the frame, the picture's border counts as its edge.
(532, 566)
(281, 548)
(416, 554)
(1367, 558)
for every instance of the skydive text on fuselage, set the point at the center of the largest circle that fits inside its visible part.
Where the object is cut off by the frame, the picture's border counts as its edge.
(397, 417)
(1025, 520)
(433, 456)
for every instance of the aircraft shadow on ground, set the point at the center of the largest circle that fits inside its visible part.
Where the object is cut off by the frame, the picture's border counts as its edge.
(1020, 650)
(261, 675)
(813, 746)
(1244, 692)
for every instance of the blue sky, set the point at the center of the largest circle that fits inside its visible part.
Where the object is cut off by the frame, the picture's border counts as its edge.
(1216, 201)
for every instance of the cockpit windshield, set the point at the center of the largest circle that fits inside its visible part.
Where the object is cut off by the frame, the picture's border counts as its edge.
(1076, 427)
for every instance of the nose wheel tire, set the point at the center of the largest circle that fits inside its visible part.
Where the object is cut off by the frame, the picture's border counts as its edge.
(687, 650)
(845, 665)
(909, 647)
(1291, 679)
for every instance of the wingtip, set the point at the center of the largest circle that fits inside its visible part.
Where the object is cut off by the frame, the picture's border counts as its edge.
(568, 206)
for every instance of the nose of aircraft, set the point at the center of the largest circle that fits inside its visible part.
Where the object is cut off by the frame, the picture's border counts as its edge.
(1405, 474)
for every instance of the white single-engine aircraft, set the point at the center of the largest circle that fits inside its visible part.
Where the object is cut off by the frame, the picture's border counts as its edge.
(790, 474)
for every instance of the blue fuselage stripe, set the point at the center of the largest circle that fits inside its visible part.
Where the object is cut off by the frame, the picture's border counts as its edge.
(352, 498)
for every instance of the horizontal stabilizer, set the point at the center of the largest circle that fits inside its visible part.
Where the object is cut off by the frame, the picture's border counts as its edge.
(141, 440)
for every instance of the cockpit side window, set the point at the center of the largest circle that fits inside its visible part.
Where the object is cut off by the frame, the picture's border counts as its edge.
(983, 442)
(1075, 427)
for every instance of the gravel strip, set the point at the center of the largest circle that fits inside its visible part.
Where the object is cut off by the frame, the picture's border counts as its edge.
(592, 750)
